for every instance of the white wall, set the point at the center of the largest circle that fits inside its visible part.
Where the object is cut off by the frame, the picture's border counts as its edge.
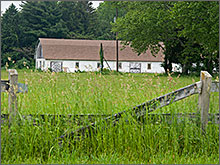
(83, 65)
(176, 68)
(92, 66)
(155, 67)
(43, 63)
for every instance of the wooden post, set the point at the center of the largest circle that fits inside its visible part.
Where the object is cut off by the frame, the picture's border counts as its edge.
(12, 99)
(116, 42)
(204, 96)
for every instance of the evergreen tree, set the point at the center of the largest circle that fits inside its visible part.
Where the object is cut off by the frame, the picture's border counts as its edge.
(10, 35)
(68, 17)
(41, 19)
(10, 32)
(79, 17)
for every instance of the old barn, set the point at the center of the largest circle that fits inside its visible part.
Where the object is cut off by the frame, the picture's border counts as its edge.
(71, 55)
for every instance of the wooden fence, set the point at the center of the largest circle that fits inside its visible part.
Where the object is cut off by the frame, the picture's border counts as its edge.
(203, 88)
(12, 87)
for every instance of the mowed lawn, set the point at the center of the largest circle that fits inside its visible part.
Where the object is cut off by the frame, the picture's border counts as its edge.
(94, 93)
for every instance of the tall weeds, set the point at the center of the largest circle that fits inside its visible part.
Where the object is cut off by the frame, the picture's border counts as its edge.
(129, 141)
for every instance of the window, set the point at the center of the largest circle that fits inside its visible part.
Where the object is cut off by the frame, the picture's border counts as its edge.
(77, 65)
(40, 64)
(41, 52)
(119, 65)
(43, 64)
(98, 65)
(149, 66)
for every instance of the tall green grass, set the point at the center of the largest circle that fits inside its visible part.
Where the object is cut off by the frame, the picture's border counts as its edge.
(129, 141)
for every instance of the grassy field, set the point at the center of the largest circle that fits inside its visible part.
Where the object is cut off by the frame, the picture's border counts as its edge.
(93, 93)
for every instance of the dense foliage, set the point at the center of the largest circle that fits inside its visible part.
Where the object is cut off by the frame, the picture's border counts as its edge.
(187, 31)
(49, 19)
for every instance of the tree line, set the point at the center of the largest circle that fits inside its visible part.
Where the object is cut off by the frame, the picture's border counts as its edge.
(186, 31)
(49, 19)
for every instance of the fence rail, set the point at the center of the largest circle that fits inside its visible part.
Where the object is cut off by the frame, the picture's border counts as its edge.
(78, 119)
(215, 86)
(12, 87)
(174, 96)
(169, 98)
(4, 85)
(204, 87)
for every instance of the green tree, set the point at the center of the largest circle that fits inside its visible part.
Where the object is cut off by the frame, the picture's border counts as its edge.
(10, 33)
(21, 29)
(41, 19)
(80, 19)
(147, 24)
(67, 9)
(105, 15)
(199, 23)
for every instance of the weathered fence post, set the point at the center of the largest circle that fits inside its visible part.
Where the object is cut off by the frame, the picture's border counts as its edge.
(204, 96)
(12, 99)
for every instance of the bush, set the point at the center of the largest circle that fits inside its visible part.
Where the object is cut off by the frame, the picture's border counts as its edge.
(23, 63)
(79, 71)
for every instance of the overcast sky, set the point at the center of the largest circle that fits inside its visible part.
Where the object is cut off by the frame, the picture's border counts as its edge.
(6, 4)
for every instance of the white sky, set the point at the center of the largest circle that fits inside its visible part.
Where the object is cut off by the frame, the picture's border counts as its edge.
(6, 4)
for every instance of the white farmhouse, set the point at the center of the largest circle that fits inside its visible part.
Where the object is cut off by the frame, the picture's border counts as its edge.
(71, 55)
